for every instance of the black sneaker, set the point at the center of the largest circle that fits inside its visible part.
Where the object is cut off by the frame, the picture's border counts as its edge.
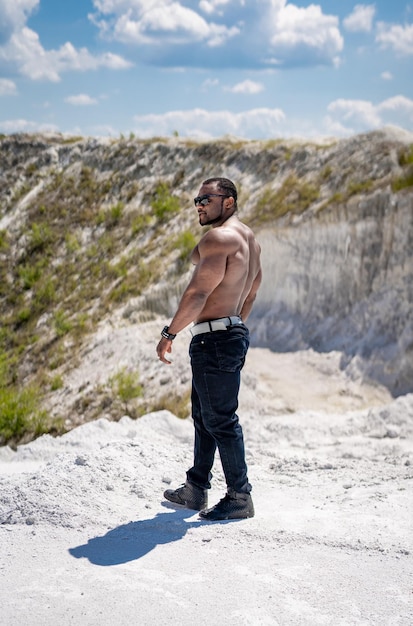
(232, 506)
(189, 496)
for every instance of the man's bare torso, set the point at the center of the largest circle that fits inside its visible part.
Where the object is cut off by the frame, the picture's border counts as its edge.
(227, 272)
(240, 270)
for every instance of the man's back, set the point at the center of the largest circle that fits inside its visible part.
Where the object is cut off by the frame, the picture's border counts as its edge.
(227, 271)
(231, 252)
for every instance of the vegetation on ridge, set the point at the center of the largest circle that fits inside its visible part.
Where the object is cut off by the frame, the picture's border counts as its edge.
(405, 180)
(93, 225)
(78, 257)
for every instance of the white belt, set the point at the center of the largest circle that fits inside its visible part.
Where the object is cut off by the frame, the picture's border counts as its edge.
(210, 326)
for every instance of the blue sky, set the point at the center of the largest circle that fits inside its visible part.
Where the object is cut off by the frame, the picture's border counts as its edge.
(256, 69)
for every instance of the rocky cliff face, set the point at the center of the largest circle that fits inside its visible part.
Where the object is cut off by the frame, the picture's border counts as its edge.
(344, 281)
(91, 229)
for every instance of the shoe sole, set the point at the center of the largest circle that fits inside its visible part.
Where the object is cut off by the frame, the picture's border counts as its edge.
(220, 518)
(184, 504)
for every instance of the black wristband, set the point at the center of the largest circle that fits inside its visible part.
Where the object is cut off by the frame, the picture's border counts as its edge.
(167, 335)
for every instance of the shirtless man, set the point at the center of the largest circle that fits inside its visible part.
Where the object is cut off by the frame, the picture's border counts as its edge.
(218, 300)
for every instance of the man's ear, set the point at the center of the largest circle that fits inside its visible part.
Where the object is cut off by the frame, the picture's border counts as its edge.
(229, 202)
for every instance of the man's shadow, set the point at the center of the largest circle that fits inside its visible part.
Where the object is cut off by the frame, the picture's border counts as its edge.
(132, 541)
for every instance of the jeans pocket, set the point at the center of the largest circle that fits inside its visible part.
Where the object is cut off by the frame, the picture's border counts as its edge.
(231, 354)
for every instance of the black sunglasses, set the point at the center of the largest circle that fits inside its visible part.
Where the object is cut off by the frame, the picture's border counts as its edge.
(204, 200)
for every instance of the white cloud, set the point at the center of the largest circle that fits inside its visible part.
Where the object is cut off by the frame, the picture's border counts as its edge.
(26, 126)
(7, 87)
(362, 115)
(361, 18)
(25, 51)
(386, 76)
(147, 22)
(399, 38)
(22, 51)
(14, 14)
(343, 118)
(304, 33)
(81, 99)
(209, 83)
(335, 128)
(245, 34)
(397, 103)
(201, 123)
(246, 87)
(360, 112)
(212, 6)
(166, 22)
(105, 129)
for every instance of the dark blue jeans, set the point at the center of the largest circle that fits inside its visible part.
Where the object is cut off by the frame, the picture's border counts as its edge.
(217, 359)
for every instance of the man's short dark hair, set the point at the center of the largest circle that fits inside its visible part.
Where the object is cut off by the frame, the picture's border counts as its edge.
(225, 186)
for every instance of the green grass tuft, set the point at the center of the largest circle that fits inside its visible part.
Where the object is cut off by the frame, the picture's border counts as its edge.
(21, 413)
(185, 242)
(294, 196)
(179, 405)
(405, 156)
(404, 181)
(163, 203)
(126, 385)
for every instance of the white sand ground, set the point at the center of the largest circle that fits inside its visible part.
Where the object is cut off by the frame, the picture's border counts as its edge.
(87, 539)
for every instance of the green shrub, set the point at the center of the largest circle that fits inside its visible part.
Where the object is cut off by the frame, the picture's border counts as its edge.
(404, 181)
(56, 383)
(405, 159)
(3, 240)
(139, 223)
(326, 173)
(356, 187)
(294, 196)
(120, 269)
(125, 384)
(112, 216)
(40, 237)
(29, 274)
(406, 156)
(61, 323)
(58, 357)
(72, 243)
(127, 288)
(132, 190)
(163, 203)
(135, 281)
(336, 198)
(86, 180)
(44, 294)
(21, 192)
(185, 243)
(31, 169)
(23, 315)
(21, 413)
(179, 405)
(81, 324)
(4, 369)
(74, 139)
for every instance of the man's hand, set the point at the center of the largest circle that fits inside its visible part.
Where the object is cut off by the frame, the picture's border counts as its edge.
(165, 345)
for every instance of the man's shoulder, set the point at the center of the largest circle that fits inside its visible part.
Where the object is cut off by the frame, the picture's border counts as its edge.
(221, 236)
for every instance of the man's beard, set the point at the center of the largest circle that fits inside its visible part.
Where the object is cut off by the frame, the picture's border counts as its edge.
(209, 222)
(215, 220)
